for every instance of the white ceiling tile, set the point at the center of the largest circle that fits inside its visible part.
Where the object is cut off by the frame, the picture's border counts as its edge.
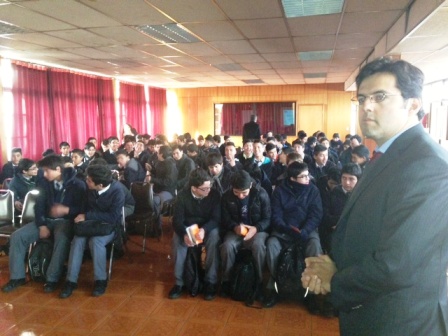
(45, 40)
(256, 66)
(374, 5)
(263, 28)
(158, 50)
(19, 45)
(280, 57)
(250, 9)
(214, 31)
(314, 25)
(187, 11)
(123, 35)
(82, 37)
(315, 64)
(246, 58)
(423, 43)
(351, 53)
(273, 45)
(314, 43)
(90, 53)
(25, 18)
(348, 41)
(123, 51)
(71, 12)
(216, 59)
(197, 49)
(367, 22)
(285, 65)
(234, 47)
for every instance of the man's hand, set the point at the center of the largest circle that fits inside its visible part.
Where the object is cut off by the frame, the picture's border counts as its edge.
(187, 241)
(251, 231)
(318, 274)
(44, 232)
(80, 218)
(200, 235)
(59, 210)
(18, 205)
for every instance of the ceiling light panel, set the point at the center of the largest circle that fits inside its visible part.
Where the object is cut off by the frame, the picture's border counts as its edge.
(300, 8)
(315, 55)
(7, 29)
(168, 33)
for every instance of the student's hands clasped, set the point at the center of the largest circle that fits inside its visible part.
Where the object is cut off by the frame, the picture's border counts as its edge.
(318, 274)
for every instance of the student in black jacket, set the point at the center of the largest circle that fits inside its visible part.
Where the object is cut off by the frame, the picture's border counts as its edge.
(23, 182)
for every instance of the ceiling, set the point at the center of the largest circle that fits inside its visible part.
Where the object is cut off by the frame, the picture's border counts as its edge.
(240, 42)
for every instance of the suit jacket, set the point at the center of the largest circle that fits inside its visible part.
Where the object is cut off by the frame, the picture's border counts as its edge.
(251, 130)
(391, 243)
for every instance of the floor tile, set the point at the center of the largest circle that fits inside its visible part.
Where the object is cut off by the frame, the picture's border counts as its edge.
(118, 323)
(160, 326)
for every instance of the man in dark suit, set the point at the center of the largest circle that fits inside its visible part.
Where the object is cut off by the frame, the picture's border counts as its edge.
(388, 272)
(251, 130)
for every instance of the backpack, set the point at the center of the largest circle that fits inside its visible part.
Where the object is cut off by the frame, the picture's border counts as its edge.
(290, 266)
(39, 259)
(193, 272)
(243, 278)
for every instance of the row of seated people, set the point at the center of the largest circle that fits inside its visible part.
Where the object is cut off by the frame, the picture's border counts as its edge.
(57, 208)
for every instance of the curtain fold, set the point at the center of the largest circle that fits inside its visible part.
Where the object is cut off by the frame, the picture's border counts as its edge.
(133, 106)
(157, 109)
(106, 107)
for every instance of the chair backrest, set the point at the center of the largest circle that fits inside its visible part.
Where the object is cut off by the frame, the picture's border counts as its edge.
(6, 183)
(141, 193)
(6, 206)
(28, 207)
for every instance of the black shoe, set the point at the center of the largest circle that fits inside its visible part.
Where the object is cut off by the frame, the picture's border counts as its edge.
(68, 289)
(312, 304)
(225, 289)
(271, 299)
(175, 292)
(210, 292)
(50, 286)
(99, 287)
(13, 284)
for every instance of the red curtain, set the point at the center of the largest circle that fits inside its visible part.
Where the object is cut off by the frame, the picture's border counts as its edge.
(106, 106)
(31, 129)
(157, 108)
(133, 106)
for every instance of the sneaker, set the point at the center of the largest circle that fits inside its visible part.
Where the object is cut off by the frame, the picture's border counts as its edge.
(99, 287)
(50, 286)
(13, 284)
(175, 292)
(271, 299)
(68, 289)
(210, 292)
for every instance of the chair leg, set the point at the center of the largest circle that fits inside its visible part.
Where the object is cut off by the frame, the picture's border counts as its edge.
(111, 258)
(144, 237)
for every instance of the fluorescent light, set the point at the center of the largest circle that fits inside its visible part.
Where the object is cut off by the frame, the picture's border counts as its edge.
(168, 33)
(315, 55)
(300, 8)
(315, 75)
(7, 29)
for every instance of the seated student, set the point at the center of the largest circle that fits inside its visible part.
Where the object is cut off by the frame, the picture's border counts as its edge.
(164, 178)
(346, 156)
(184, 166)
(222, 147)
(201, 142)
(299, 148)
(230, 159)
(290, 158)
(332, 154)
(129, 144)
(296, 214)
(90, 152)
(109, 155)
(105, 200)
(78, 163)
(333, 206)
(221, 174)
(361, 156)
(10, 168)
(321, 164)
(23, 182)
(105, 145)
(195, 154)
(154, 147)
(209, 145)
(279, 167)
(248, 152)
(93, 141)
(64, 148)
(259, 176)
(198, 204)
(328, 182)
(60, 200)
(259, 157)
(311, 142)
(336, 143)
(140, 154)
(132, 170)
(246, 216)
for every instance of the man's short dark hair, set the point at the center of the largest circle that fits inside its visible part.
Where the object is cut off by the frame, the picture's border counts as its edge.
(146, 136)
(357, 137)
(192, 148)
(78, 151)
(217, 138)
(90, 139)
(98, 161)
(409, 78)
(88, 145)
(209, 138)
(187, 136)
(99, 174)
(334, 173)
(24, 164)
(129, 138)
(296, 168)
(247, 140)
(48, 152)
(64, 144)
(301, 134)
(16, 150)
(293, 157)
(319, 148)
(270, 146)
(51, 162)
(230, 143)
(241, 180)
(200, 137)
(271, 139)
(352, 169)
(226, 137)
(361, 151)
(106, 142)
(253, 117)
(213, 158)
(165, 151)
(151, 142)
(311, 140)
(176, 146)
(121, 152)
(113, 138)
(198, 177)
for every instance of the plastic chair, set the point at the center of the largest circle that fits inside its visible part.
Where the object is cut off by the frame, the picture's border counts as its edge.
(6, 183)
(6, 207)
(144, 200)
(111, 257)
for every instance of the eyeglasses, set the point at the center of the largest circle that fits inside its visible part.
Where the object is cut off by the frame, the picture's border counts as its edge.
(303, 176)
(204, 189)
(374, 98)
(33, 168)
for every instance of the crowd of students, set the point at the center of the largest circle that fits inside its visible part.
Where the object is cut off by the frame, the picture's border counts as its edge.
(261, 197)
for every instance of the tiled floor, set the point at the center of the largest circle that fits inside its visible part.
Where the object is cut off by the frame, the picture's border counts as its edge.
(136, 303)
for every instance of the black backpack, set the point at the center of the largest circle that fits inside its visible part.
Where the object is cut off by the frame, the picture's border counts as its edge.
(290, 266)
(243, 278)
(193, 271)
(39, 259)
